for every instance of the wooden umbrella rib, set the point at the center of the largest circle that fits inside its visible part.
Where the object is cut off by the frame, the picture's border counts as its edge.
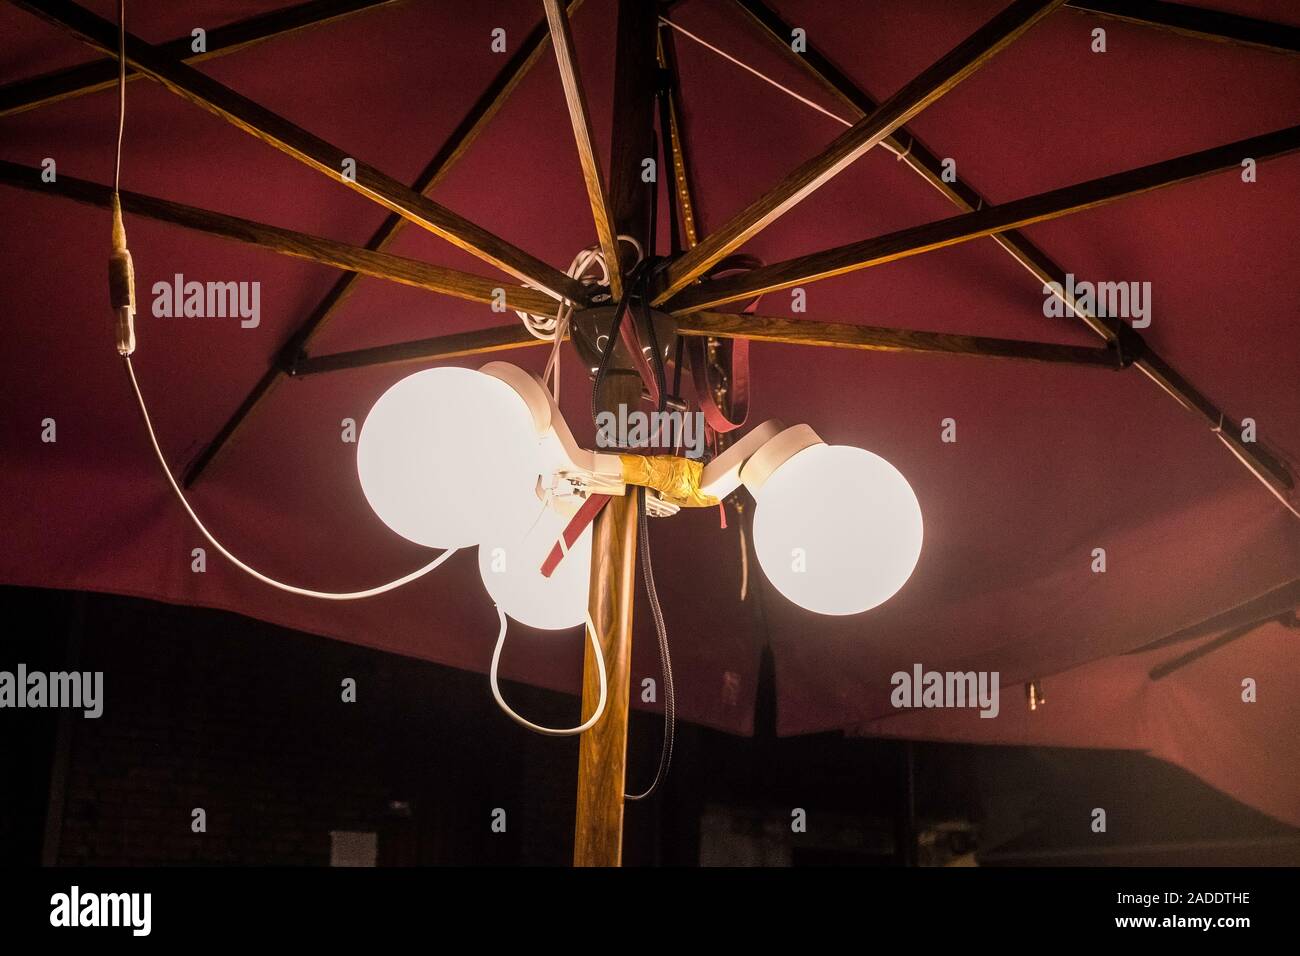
(910, 150)
(1042, 207)
(1198, 22)
(576, 100)
(456, 146)
(478, 342)
(945, 74)
(62, 84)
(308, 148)
(75, 81)
(756, 328)
(769, 328)
(924, 161)
(632, 142)
(300, 245)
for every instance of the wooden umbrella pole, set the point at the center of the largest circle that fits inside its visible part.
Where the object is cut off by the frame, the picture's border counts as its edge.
(602, 757)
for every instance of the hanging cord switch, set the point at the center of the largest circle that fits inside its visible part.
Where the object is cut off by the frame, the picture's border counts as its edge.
(121, 271)
(121, 284)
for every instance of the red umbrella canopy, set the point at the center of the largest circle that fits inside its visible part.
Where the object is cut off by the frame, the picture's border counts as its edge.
(1049, 463)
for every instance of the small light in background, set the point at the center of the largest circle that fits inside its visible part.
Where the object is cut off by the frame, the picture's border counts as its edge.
(1034, 695)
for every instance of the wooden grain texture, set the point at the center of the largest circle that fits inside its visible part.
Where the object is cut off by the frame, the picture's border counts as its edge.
(756, 328)
(635, 69)
(925, 162)
(1042, 207)
(682, 180)
(467, 131)
(771, 328)
(945, 74)
(307, 148)
(59, 85)
(602, 750)
(1198, 23)
(602, 754)
(299, 245)
(592, 175)
(478, 342)
(905, 145)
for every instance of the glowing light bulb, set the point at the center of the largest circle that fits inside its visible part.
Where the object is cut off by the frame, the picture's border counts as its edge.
(837, 529)
(511, 570)
(448, 457)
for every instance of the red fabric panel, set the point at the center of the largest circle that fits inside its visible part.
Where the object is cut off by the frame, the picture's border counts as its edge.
(1050, 462)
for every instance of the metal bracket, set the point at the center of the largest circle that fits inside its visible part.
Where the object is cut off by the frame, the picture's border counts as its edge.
(1129, 346)
(289, 359)
(589, 332)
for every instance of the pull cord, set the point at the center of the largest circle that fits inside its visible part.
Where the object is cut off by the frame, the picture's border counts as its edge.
(538, 728)
(252, 572)
(121, 287)
(665, 659)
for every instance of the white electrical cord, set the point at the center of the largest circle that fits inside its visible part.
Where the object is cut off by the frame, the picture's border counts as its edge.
(762, 76)
(144, 411)
(121, 93)
(555, 328)
(538, 728)
(305, 592)
(542, 327)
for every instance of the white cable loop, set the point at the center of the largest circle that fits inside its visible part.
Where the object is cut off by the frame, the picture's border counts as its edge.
(538, 728)
(555, 328)
(305, 592)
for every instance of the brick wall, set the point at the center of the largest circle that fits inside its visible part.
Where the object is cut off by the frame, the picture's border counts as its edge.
(245, 720)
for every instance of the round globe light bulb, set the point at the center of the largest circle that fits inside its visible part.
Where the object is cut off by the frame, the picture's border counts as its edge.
(511, 570)
(837, 529)
(449, 457)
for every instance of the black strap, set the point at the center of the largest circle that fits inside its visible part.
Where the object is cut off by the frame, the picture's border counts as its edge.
(665, 660)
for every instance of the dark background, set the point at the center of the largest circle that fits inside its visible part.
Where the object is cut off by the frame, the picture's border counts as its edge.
(210, 709)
